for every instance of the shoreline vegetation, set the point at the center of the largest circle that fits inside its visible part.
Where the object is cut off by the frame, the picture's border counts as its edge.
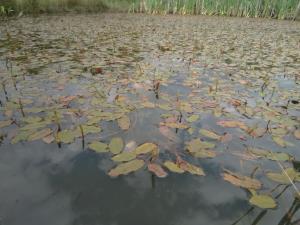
(276, 9)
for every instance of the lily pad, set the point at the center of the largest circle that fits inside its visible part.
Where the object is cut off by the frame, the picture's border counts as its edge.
(124, 157)
(126, 168)
(209, 134)
(98, 146)
(157, 170)
(173, 167)
(116, 145)
(263, 201)
(241, 181)
(124, 122)
(145, 148)
(40, 134)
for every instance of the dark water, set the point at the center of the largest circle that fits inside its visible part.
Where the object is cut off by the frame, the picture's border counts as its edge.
(44, 184)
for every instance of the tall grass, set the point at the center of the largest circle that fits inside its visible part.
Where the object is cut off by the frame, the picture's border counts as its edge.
(281, 9)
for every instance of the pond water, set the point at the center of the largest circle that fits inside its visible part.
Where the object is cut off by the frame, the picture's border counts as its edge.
(119, 119)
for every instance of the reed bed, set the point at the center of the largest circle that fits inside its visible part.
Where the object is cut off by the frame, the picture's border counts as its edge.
(280, 9)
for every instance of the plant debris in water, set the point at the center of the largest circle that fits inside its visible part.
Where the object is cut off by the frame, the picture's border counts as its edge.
(199, 93)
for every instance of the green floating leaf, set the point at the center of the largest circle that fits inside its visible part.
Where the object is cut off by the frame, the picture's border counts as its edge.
(209, 134)
(146, 148)
(126, 168)
(196, 144)
(89, 129)
(66, 136)
(276, 156)
(173, 167)
(285, 177)
(263, 201)
(98, 146)
(175, 125)
(124, 157)
(241, 181)
(193, 118)
(116, 145)
(281, 142)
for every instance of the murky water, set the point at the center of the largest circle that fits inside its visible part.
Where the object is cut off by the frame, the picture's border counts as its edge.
(222, 69)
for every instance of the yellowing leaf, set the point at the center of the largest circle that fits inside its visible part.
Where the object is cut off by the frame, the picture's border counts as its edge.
(39, 134)
(241, 181)
(126, 168)
(175, 125)
(191, 168)
(173, 167)
(297, 134)
(116, 145)
(98, 146)
(232, 124)
(5, 123)
(285, 177)
(209, 134)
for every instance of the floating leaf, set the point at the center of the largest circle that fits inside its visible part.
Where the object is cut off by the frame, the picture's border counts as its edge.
(297, 134)
(173, 167)
(40, 134)
(89, 129)
(196, 145)
(204, 153)
(241, 181)
(5, 123)
(289, 175)
(116, 145)
(98, 146)
(49, 139)
(191, 168)
(232, 124)
(281, 142)
(146, 148)
(124, 122)
(126, 168)
(66, 136)
(276, 156)
(124, 157)
(169, 133)
(175, 125)
(209, 134)
(263, 201)
(192, 118)
(157, 170)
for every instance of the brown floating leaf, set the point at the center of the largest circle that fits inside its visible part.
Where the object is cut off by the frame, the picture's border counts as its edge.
(167, 132)
(124, 122)
(5, 123)
(232, 124)
(297, 134)
(40, 134)
(189, 167)
(241, 181)
(157, 170)
(126, 168)
(48, 139)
